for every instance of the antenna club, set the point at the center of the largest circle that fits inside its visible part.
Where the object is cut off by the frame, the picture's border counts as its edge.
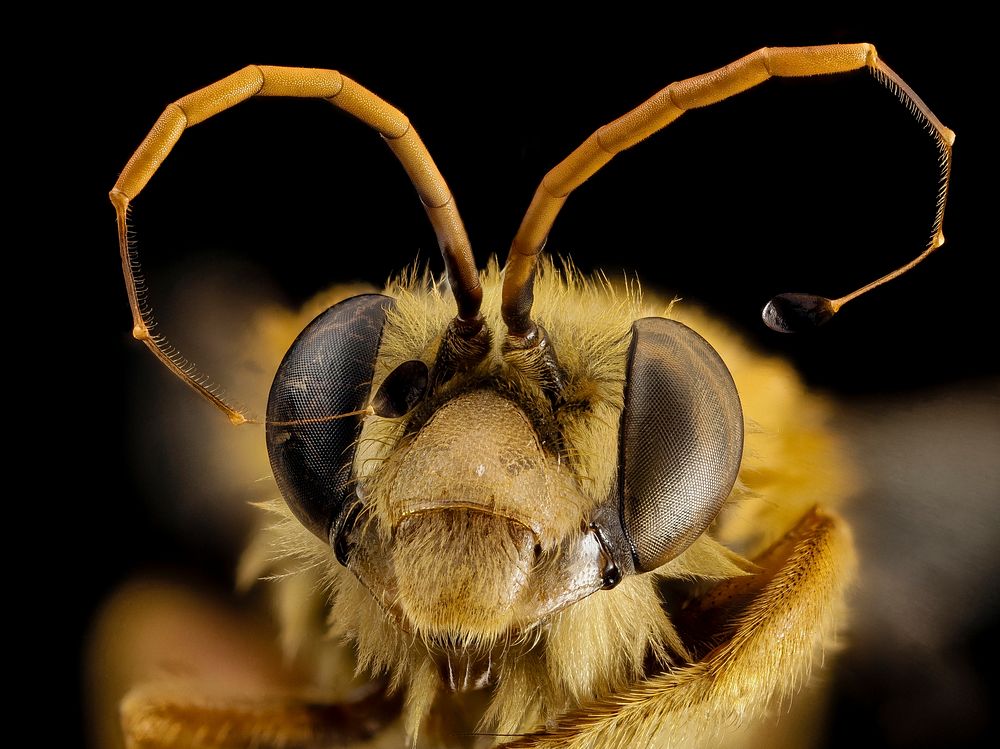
(794, 313)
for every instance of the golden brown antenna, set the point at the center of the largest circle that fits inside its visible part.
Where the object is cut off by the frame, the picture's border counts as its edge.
(354, 99)
(785, 312)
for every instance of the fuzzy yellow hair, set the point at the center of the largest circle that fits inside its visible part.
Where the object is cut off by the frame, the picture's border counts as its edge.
(596, 652)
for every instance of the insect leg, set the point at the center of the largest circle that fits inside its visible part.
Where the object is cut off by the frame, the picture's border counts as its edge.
(776, 623)
(155, 717)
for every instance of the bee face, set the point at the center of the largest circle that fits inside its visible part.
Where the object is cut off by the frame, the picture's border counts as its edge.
(490, 504)
(506, 523)
(472, 549)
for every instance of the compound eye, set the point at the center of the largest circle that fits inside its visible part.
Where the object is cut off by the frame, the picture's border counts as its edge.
(681, 440)
(326, 373)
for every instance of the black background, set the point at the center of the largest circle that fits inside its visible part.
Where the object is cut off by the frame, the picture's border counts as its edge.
(816, 186)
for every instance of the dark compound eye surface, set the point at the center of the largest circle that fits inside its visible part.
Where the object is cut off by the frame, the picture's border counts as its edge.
(681, 440)
(327, 372)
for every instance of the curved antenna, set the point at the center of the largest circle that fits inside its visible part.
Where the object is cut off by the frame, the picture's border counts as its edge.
(785, 312)
(349, 96)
